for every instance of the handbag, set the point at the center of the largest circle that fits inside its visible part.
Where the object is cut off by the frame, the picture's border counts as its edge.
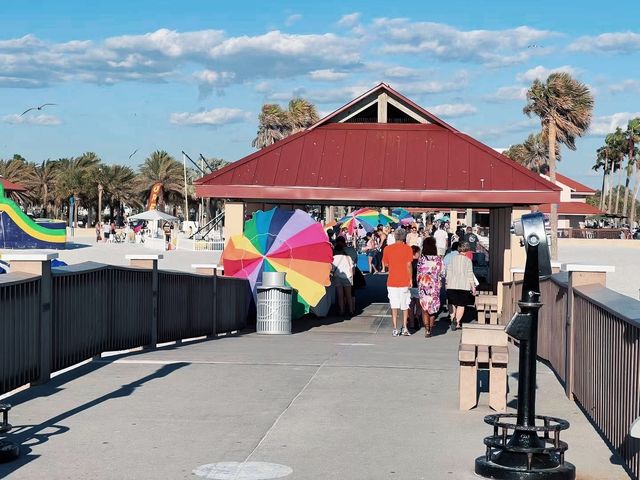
(358, 279)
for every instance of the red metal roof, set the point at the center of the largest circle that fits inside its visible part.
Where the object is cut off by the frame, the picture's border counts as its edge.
(380, 163)
(573, 185)
(572, 208)
(11, 187)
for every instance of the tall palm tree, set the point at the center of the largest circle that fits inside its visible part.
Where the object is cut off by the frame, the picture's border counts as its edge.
(302, 114)
(273, 125)
(633, 137)
(160, 167)
(603, 155)
(42, 181)
(618, 144)
(17, 170)
(564, 106)
(121, 188)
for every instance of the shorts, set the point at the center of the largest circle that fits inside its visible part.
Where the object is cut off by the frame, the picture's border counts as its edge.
(399, 297)
(442, 251)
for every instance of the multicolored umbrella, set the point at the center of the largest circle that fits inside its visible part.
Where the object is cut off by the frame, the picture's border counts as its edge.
(404, 217)
(367, 217)
(282, 241)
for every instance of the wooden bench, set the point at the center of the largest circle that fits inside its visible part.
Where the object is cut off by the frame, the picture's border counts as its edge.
(483, 347)
(487, 307)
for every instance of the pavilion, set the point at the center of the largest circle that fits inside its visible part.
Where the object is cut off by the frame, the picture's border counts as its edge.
(382, 149)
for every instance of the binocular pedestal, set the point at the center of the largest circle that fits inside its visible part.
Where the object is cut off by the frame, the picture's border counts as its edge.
(531, 447)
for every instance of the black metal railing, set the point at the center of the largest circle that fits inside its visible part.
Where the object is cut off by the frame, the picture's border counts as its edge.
(97, 308)
(19, 330)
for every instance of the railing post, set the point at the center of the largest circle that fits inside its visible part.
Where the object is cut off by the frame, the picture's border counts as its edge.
(214, 270)
(578, 275)
(150, 262)
(39, 264)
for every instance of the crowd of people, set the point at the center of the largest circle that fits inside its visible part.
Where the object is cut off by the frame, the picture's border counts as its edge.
(430, 270)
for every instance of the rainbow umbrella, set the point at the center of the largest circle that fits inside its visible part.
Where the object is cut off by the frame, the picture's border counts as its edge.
(367, 217)
(404, 217)
(282, 241)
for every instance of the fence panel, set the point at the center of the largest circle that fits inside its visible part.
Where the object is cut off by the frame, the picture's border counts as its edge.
(552, 331)
(233, 301)
(19, 330)
(131, 296)
(186, 306)
(607, 368)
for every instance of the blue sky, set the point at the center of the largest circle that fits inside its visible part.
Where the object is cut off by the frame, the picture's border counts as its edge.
(192, 75)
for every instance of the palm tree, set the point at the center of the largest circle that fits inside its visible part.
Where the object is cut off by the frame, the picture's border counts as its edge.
(42, 181)
(17, 170)
(603, 156)
(533, 153)
(273, 125)
(618, 144)
(564, 106)
(302, 114)
(633, 137)
(160, 167)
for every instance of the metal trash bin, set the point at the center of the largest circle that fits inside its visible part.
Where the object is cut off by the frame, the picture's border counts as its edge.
(274, 305)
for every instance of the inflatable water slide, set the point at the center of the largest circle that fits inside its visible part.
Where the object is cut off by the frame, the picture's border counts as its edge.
(17, 230)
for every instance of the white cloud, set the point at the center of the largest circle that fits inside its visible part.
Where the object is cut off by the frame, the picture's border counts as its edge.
(208, 80)
(629, 85)
(497, 131)
(421, 87)
(164, 55)
(616, 42)
(447, 43)
(452, 110)
(214, 117)
(327, 75)
(42, 119)
(291, 19)
(606, 124)
(541, 73)
(507, 94)
(349, 20)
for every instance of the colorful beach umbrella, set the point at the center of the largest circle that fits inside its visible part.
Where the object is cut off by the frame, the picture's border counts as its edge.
(367, 217)
(282, 241)
(404, 217)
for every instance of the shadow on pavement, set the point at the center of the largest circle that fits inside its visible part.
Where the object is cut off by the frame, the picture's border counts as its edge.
(29, 436)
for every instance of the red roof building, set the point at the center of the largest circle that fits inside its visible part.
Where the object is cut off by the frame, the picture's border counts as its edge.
(573, 208)
(380, 148)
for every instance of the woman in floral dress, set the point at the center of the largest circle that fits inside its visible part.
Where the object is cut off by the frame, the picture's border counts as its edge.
(430, 274)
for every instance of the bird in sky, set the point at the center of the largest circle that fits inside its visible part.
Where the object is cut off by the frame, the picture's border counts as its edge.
(134, 152)
(534, 45)
(37, 108)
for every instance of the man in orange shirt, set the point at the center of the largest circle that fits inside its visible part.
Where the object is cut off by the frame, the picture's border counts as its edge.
(397, 258)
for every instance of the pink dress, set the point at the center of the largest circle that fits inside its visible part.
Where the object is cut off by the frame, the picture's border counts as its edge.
(430, 273)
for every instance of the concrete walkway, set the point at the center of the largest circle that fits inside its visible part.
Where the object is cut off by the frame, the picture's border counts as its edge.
(338, 400)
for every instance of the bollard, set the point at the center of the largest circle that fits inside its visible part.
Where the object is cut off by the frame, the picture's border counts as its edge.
(8, 450)
(517, 451)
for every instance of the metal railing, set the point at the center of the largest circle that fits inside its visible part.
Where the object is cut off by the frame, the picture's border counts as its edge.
(98, 308)
(590, 336)
(591, 233)
(19, 330)
(607, 368)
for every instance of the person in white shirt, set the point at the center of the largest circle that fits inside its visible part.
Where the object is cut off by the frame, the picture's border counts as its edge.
(442, 240)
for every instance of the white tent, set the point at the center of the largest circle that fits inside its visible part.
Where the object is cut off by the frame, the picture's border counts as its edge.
(151, 215)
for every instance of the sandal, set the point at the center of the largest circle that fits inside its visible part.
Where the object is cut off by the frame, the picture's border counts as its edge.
(427, 333)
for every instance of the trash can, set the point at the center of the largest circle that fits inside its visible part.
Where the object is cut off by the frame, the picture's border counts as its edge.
(274, 305)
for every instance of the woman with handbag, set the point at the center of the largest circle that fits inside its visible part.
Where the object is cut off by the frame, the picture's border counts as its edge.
(342, 279)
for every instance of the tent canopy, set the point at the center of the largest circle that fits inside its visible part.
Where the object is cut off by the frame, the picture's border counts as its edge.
(151, 215)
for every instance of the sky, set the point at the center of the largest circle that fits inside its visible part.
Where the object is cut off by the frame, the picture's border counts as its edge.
(192, 75)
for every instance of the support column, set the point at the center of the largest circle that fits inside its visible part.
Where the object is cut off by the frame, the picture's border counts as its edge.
(579, 275)
(150, 262)
(233, 219)
(453, 220)
(499, 248)
(468, 218)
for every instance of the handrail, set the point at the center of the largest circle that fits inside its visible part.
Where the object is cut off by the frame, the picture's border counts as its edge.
(621, 306)
(15, 278)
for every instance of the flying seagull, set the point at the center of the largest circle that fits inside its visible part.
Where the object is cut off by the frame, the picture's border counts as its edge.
(37, 108)
(134, 152)
(534, 45)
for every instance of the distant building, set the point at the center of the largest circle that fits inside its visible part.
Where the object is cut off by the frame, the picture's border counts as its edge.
(573, 208)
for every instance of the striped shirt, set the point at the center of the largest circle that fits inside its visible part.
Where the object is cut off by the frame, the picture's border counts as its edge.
(460, 273)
